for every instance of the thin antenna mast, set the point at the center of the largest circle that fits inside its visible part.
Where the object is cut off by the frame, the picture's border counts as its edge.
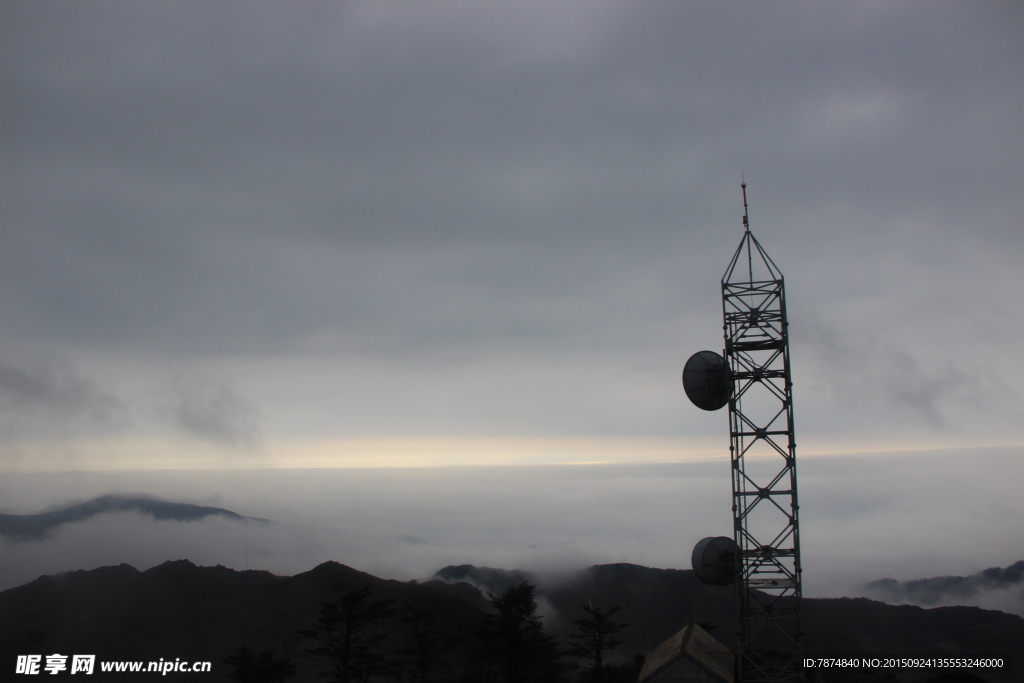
(746, 229)
(746, 220)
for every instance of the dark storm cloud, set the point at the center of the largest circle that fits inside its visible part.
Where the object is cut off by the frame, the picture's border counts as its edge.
(215, 413)
(861, 370)
(48, 396)
(47, 391)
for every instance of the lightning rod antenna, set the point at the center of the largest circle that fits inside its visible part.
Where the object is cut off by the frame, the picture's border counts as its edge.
(746, 219)
(746, 228)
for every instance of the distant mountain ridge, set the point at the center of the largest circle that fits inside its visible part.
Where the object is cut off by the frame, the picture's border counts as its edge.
(180, 610)
(177, 609)
(937, 589)
(22, 528)
(658, 602)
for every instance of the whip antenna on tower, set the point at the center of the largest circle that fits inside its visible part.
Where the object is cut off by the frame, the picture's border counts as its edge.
(752, 377)
(746, 215)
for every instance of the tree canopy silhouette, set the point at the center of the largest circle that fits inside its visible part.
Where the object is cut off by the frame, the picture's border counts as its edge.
(594, 636)
(520, 648)
(427, 644)
(350, 633)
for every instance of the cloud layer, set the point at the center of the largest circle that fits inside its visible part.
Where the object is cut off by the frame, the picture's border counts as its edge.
(863, 517)
(482, 220)
(952, 590)
(47, 391)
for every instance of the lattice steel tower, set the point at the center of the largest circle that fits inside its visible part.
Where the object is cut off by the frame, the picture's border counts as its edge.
(754, 381)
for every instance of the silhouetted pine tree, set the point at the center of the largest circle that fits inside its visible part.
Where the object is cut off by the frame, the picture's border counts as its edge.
(427, 644)
(520, 651)
(594, 636)
(350, 633)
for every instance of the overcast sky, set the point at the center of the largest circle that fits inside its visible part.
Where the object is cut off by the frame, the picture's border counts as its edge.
(382, 233)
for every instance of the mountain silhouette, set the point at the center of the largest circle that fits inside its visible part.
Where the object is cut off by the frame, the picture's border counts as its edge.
(21, 528)
(938, 589)
(179, 610)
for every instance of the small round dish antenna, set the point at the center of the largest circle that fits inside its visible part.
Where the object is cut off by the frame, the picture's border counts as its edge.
(707, 380)
(714, 560)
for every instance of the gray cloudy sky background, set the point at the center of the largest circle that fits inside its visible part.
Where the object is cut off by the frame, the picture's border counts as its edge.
(245, 234)
(273, 229)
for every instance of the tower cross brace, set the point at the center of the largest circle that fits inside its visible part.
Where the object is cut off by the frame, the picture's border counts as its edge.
(762, 450)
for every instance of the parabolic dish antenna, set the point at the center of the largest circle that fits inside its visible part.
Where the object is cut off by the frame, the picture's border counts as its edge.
(707, 380)
(714, 560)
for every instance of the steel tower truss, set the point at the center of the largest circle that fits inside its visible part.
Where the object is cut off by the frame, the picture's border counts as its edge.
(763, 453)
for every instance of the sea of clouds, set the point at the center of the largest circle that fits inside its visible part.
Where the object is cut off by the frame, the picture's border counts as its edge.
(864, 517)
